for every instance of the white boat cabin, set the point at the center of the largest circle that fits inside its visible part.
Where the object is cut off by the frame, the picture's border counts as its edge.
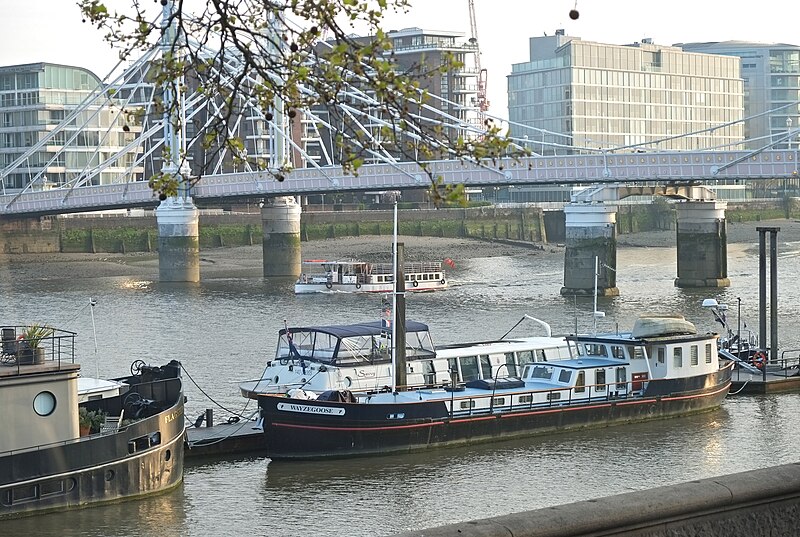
(358, 358)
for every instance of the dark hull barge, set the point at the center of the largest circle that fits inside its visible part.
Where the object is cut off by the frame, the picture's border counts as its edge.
(134, 446)
(660, 370)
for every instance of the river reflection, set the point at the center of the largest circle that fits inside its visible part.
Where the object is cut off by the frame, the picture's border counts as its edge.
(223, 330)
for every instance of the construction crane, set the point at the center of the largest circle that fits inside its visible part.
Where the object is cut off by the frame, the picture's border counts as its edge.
(481, 101)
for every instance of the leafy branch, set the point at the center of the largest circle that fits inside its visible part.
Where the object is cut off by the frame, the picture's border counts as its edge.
(290, 58)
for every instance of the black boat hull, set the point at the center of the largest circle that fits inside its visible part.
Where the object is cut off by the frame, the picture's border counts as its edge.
(322, 429)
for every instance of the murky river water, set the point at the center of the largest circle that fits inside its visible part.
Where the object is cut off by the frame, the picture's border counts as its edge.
(223, 331)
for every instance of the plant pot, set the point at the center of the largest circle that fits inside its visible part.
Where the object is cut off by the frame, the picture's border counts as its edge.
(38, 355)
(30, 356)
(84, 430)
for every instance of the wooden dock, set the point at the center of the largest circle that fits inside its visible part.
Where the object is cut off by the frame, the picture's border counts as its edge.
(245, 436)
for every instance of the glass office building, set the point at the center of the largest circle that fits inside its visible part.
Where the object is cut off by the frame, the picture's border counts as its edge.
(629, 97)
(771, 75)
(34, 100)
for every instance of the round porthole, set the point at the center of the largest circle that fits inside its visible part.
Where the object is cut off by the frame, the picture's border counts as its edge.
(44, 403)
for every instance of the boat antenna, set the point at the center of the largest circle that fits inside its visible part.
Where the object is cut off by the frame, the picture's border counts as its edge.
(92, 304)
(394, 300)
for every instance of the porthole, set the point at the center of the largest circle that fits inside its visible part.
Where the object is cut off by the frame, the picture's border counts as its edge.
(44, 403)
(167, 455)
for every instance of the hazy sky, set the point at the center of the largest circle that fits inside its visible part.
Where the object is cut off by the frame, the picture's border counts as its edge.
(51, 30)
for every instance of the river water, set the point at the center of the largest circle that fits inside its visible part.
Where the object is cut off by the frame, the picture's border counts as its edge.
(224, 329)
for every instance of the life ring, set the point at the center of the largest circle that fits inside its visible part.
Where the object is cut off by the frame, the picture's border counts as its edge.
(328, 285)
(415, 283)
(442, 281)
(358, 285)
(759, 359)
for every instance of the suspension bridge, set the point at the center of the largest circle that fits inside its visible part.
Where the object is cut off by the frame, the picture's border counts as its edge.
(306, 164)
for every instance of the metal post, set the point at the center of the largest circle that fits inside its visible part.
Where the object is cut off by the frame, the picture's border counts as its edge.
(762, 287)
(773, 296)
(739, 327)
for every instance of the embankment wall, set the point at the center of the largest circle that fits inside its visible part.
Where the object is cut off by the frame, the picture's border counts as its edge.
(122, 234)
(755, 503)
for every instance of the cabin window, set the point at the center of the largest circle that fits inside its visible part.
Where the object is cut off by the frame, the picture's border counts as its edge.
(622, 378)
(467, 404)
(677, 357)
(511, 367)
(540, 357)
(708, 353)
(469, 368)
(525, 399)
(594, 349)
(452, 365)
(525, 357)
(638, 353)
(565, 376)
(662, 355)
(554, 396)
(693, 358)
(600, 380)
(542, 372)
(428, 372)
(498, 401)
(618, 352)
(486, 366)
(526, 372)
(580, 383)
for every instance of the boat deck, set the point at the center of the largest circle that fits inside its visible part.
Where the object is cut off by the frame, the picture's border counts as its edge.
(224, 439)
(777, 380)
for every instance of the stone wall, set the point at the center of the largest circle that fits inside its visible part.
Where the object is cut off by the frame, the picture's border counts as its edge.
(755, 503)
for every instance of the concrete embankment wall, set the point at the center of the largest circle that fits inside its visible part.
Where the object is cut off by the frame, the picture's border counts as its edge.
(755, 503)
(122, 234)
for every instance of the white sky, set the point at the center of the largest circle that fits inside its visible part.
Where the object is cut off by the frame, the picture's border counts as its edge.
(52, 31)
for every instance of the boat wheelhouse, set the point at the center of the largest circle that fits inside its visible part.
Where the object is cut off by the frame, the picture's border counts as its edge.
(47, 462)
(321, 276)
(661, 369)
(357, 357)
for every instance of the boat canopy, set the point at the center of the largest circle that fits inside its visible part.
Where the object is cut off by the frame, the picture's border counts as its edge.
(351, 344)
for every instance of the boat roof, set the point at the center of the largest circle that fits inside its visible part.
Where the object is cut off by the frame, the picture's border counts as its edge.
(585, 362)
(324, 262)
(501, 345)
(373, 328)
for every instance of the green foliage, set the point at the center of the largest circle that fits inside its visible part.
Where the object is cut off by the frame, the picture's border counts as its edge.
(297, 56)
(94, 419)
(34, 334)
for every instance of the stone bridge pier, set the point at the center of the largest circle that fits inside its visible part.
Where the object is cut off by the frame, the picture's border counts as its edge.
(280, 225)
(702, 244)
(590, 233)
(178, 240)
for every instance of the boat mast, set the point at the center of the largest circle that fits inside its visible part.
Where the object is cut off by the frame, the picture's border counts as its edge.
(394, 299)
(399, 379)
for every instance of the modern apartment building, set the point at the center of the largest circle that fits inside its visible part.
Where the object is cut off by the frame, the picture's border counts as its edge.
(640, 96)
(771, 75)
(34, 100)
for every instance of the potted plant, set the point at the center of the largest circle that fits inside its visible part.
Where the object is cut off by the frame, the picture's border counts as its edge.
(90, 421)
(30, 343)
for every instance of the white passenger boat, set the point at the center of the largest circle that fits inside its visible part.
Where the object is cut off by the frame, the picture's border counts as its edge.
(321, 276)
(356, 357)
(662, 368)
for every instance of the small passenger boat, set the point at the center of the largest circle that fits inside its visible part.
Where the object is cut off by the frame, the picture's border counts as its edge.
(356, 357)
(320, 276)
(611, 379)
(70, 442)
